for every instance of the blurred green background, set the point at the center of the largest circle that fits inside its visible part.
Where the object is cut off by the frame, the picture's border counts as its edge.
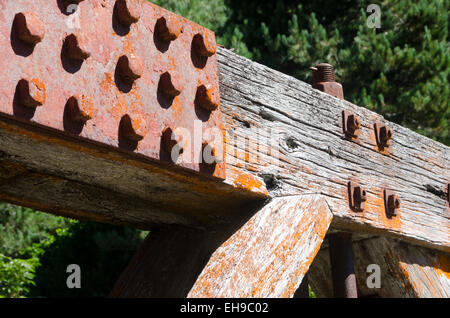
(399, 70)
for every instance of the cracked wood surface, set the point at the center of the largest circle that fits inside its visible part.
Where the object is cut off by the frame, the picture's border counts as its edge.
(267, 256)
(270, 254)
(312, 157)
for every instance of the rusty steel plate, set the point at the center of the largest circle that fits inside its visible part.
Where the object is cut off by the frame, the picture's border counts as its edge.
(124, 73)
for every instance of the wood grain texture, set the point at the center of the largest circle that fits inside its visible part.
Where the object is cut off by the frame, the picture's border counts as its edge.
(406, 270)
(262, 106)
(283, 138)
(61, 174)
(270, 254)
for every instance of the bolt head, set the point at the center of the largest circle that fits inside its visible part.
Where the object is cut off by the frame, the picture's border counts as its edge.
(76, 47)
(204, 44)
(81, 108)
(207, 98)
(134, 128)
(32, 92)
(171, 84)
(128, 11)
(30, 28)
(168, 28)
(130, 68)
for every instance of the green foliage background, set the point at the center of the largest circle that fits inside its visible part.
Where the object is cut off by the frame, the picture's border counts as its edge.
(400, 71)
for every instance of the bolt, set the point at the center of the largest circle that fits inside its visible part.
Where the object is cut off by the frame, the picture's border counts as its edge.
(128, 12)
(204, 44)
(386, 134)
(29, 27)
(207, 98)
(75, 47)
(130, 68)
(357, 197)
(323, 72)
(168, 29)
(383, 135)
(392, 203)
(171, 84)
(32, 93)
(81, 108)
(133, 128)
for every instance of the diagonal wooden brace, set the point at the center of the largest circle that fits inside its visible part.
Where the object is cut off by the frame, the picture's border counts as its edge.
(266, 257)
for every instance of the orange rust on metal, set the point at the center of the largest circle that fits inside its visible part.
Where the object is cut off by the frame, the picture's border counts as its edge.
(135, 48)
(383, 136)
(391, 203)
(357, 197)
(351, 124)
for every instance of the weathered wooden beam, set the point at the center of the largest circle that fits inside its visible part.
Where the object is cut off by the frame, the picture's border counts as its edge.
(270, 254)
(266, 257)
(311, 155)
(404, 270)
(314, 156)
(52, 172)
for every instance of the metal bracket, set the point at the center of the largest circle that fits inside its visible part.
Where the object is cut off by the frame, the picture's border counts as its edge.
(140, 71)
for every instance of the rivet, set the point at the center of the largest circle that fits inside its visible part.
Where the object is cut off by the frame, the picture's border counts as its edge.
(130, 68)
(30, 28)
(204, 44)
(207, 98)
(75, 47)
(32, 93)
(168, 28)
(128, 12)
(170, 140)
(171, 84)
(133, 128)
(81, 108)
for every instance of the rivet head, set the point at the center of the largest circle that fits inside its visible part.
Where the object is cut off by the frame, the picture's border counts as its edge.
(134, 128)
(75, 46)
(128, 11)
(171, 84)
(207, 97)
(168, 28)
(81, 108)
(32, 93)
(204, 44)
(130, 68)
(170, 139)
(30, 28)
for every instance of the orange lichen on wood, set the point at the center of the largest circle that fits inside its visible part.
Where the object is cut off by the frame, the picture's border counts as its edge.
(270, 254)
